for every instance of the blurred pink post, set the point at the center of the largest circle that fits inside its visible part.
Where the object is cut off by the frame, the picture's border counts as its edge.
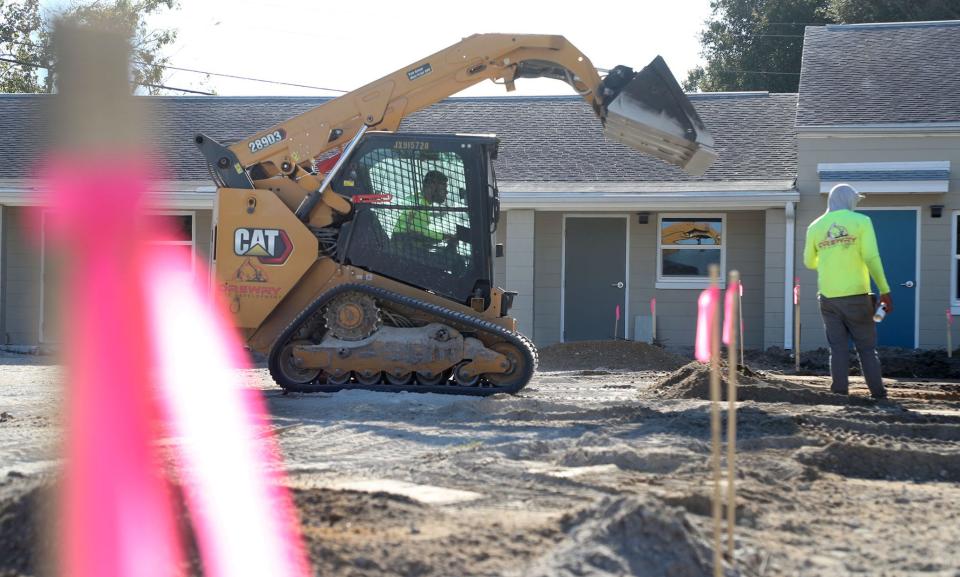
(117, 514)
(706, 313)
(243, 516)
(147, 355)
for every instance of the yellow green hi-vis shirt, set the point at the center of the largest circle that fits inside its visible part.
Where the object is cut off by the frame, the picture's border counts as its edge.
(842, 247)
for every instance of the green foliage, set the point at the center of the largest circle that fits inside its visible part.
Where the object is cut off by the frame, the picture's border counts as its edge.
(26, 37)
(19, 23)
(758, 44)
(893, 10)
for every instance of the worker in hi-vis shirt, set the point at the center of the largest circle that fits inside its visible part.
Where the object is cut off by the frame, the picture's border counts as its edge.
(841, 246)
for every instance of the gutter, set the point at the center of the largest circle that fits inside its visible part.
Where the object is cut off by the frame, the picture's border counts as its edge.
(605, 201)
(873, 129)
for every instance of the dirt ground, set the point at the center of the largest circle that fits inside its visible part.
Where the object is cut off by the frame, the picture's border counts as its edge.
(591, 470)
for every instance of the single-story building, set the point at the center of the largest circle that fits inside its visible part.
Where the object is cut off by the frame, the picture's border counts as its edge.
(593, 229)
(879, 107)
(582, 214)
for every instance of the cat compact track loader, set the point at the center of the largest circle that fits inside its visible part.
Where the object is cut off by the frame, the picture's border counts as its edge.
(355, 256)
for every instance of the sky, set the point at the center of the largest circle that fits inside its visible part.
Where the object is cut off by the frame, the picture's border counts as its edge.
(346, 44)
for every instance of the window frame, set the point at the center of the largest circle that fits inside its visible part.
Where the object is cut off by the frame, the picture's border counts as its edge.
(193, 233)
(677, 282)
(954, 263)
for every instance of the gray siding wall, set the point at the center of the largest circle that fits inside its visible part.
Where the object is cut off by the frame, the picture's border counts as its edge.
(546, 282)
(676, 308)
(203, 225)
(21, 279)
(519, 251)
(21, 271)
(935, 242)
(500, 264)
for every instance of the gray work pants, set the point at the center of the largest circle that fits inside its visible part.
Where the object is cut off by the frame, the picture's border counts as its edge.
(846, 318)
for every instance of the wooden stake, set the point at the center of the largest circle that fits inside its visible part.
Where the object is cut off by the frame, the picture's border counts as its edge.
(715, 430)
(740, 320)
(733, 281)
(796, 325)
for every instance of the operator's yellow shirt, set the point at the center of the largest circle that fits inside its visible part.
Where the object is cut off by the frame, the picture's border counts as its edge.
(842, 247)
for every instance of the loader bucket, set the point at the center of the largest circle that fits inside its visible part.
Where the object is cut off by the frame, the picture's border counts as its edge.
(652, 114)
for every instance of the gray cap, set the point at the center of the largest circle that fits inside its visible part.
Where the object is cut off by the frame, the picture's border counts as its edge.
(843, 197)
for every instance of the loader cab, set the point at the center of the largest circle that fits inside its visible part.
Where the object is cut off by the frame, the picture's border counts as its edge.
(424, 209)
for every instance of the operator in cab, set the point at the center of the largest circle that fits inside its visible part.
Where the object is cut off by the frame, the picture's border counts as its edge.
(418, 221)
(841, 246)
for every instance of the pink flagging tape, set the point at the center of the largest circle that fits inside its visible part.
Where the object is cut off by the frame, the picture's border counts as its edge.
(244, 517)
(617, 312)
(707, 305)
(728, 317)
(949, 317)
(653, 306)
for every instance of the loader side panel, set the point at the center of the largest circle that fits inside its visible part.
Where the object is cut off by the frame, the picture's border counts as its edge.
(262, 251)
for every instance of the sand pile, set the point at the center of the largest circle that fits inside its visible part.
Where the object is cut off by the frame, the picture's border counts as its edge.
(692, 381)
(21, 503)
(617, 355)
(627, 536)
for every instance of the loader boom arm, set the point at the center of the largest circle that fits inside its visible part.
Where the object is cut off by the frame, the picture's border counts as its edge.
(382, 104)
(657, 118)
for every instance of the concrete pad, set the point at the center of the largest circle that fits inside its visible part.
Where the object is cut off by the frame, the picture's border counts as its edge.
(937, 412)
(573, 472)
(428, 494)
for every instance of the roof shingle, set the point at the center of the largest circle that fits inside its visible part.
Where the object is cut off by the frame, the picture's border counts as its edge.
(880, 73)
(543, 138)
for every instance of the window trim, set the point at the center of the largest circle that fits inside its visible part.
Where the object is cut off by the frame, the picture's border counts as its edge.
(45, 339)
(954, 263)
(690, 282)
(193, 233)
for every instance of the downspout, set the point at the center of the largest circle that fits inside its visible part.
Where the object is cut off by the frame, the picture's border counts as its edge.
(789, 274)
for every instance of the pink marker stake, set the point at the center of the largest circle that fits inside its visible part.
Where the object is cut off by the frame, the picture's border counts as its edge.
(653, 316)
(949, 333)
(616, 322)
(706, 313)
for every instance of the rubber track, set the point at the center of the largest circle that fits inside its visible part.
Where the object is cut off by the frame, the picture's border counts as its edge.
(521, 342)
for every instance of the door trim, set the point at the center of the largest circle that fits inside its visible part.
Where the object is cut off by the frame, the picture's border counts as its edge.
(918, 284)
(563, 270)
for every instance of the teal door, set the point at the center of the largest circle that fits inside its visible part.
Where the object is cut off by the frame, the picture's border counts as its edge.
(897, 239)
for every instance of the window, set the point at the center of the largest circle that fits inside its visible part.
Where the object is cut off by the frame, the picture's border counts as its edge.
(686, 247)
(955, 265)
(418, 213)
(177, 231)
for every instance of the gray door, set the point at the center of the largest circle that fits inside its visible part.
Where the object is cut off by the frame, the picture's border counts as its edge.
(594, 278)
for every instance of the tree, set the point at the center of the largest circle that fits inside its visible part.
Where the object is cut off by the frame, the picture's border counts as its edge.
(758, 44)
(26, 42)
(893, 10)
